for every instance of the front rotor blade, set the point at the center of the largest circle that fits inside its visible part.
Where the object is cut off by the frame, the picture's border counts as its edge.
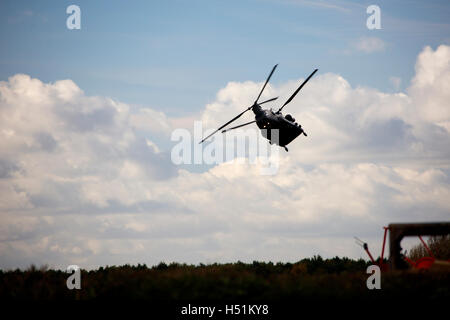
(241, 125)
(268, 78)
(235, 118)
(298, 89)
(268, 100)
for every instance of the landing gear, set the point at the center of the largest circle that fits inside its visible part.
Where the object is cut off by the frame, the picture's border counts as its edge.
(285, 148)
(305, 133)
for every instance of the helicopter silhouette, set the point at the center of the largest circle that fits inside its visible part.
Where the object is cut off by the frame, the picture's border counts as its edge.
(267, 120)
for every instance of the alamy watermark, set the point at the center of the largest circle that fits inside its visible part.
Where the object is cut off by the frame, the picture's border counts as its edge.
(374, 20)
(374, 280)
(243, 146)
(74, 20)
(74, 280)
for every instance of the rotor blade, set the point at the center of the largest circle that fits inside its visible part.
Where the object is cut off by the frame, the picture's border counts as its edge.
(268, 100)
(298, 89)
(235, 118)
(225, 130)
(359, 241)
(268, 78)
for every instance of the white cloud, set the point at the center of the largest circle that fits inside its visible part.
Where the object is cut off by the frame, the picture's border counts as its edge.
(151, 121)
(430, 86)
(370, 44)
(82, 180)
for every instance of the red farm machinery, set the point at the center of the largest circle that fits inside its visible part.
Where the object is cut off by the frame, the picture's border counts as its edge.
(397, 231)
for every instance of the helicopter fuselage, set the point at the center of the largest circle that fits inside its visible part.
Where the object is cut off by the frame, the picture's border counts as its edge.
(286, 127)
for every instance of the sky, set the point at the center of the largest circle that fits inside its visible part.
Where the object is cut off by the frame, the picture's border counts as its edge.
(87, 118)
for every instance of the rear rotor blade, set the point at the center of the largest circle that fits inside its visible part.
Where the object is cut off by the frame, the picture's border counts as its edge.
(235, 118)
(260, 103)
(268, 78)
(225, 130)
(256, 101)
(298, 89)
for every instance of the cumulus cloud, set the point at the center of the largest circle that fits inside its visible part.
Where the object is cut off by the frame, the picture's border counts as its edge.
(150, 120)
(430, 86)
(56, 143)
(82, 180)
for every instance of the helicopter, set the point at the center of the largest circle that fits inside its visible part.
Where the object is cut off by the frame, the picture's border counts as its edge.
(267, 119)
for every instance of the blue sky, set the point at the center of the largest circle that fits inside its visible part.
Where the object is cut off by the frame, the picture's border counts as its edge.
(87, 174)
(175, 55)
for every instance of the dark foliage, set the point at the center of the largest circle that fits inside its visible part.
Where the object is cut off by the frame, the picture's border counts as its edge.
(308, 279)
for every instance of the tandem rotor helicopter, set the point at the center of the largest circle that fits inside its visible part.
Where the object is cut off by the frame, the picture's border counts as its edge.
(266, 119)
